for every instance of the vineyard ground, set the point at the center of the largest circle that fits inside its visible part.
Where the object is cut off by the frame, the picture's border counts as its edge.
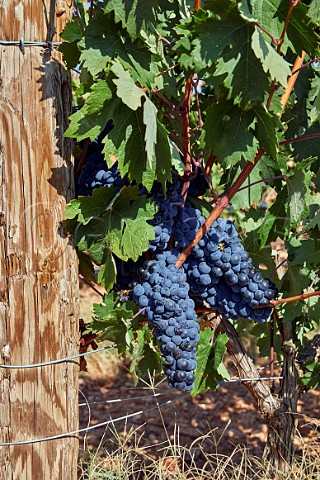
(219, 421)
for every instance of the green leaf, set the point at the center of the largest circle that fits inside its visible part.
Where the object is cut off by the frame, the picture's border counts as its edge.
(271, 61)
(73, 31)
(251, 195)
(72, 209)
(267, 129)
(104, 41)
(91, 119)
(297, 194)
(209, 362)
(227, 132)
(86, 267)
(71, 54)
(273, 222)
(93, 206)
(127, 143)
(271, 15)
(108, 273)
(128, 232)
(150, 121)
(135, 15)
(127, 90)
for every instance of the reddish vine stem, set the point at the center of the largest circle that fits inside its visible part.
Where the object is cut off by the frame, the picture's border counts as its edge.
(91, 9)
(300, 139)
(210, 162)
(296, 298)
(278, 177)
(293, 3)
(197, 4)
(271, 362)
(279, 43)
(185, 108)
(83, 156)
(305, 65)
(222, 203)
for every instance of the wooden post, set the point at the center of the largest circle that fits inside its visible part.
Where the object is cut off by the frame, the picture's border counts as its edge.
(38, 266)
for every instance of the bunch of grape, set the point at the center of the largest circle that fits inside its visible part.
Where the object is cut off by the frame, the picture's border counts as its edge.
(96, 172)
(163, 221)
(164, 296)
(220, 271)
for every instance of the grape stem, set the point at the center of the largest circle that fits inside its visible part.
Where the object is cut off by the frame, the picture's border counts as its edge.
(210, 162)
(269, 179)
(83, 279)
(296, 298)
(305, 65)
(222, 203)
(279, 43)
(83, 156)
(185, 109)
(300, 139)
(91, 9)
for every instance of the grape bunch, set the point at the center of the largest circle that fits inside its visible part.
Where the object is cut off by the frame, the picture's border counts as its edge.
(164, 296)
(220, 271)
(95, 172)
(163, 221)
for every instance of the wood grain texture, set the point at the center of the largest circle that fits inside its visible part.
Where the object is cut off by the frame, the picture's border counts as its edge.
(38, 266)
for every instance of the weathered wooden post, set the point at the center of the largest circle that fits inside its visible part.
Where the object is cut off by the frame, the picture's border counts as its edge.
(38, 266)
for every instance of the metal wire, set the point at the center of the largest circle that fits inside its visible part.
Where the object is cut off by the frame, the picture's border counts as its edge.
(22, 44)
(61, 360)
(98, 425)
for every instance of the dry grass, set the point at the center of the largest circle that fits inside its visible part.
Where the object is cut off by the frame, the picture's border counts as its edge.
(123, 459)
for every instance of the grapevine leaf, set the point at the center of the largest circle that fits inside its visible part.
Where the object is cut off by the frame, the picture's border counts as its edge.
(126, 143)
(135, 15)
(111, 307)
(97, 250)
(226, 131)
(91, 119)
(71, 54)
(297, 193)
(145, 357)
(127, 90)
(303, 251)
(239, 66)
(295, 280)
(314, 11)
(127, 231)
(107, 274)
(160, 168)
(209, 359)
(73, 31)
(271, 15)
(248, 196)
(271, 61)
(93, 206)
(73, 209)
(103, 42)
(275, 217)
(86, 267)
(267, 128)
(150, 121)
(261, 331)
(315, 222)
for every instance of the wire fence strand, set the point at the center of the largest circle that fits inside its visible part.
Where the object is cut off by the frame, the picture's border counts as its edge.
(92, 427)
(61, 360)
